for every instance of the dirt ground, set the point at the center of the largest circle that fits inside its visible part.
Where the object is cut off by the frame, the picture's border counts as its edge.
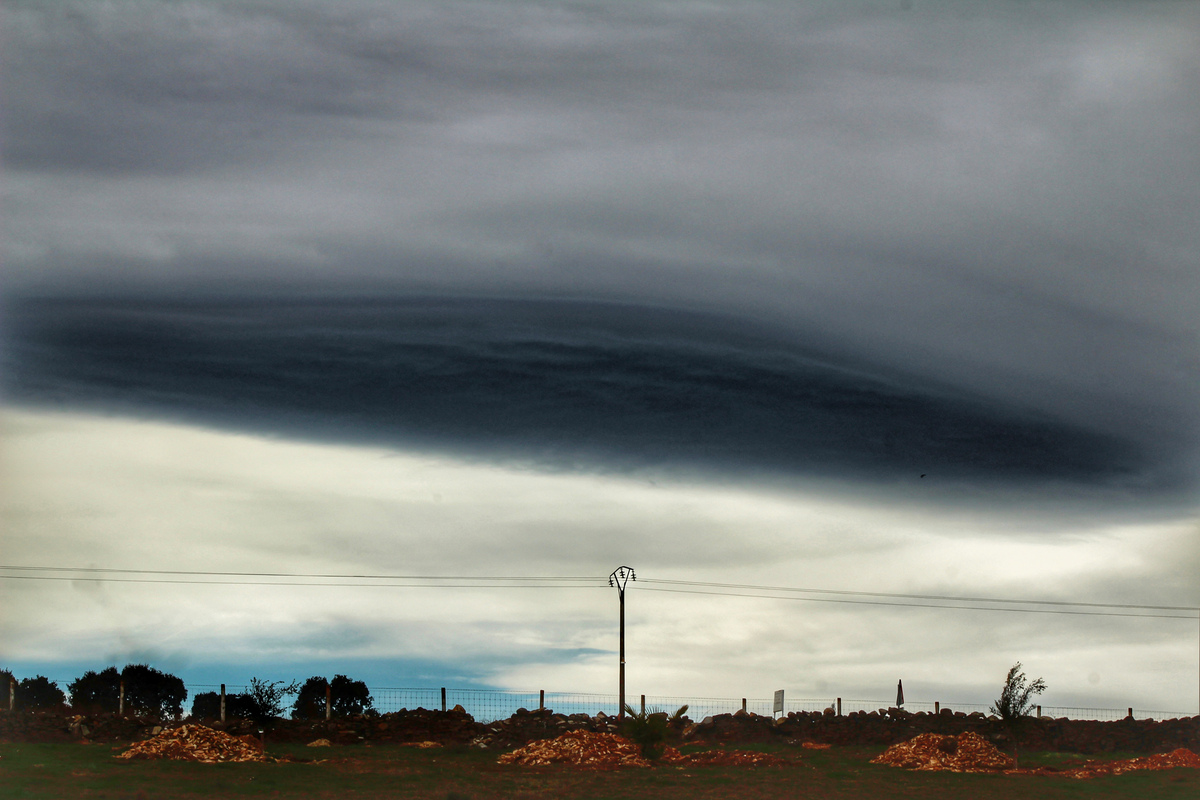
(90, 772)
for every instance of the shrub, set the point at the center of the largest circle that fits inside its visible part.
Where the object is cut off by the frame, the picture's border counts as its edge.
(649, 729)
(39, 692)
(346, 698)
(1016, 698)
(267, 697)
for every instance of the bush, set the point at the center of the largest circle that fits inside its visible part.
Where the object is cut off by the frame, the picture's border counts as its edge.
(267, 697)
(39, 692)
(346, 698)
(1016, 698)
(649, 729)
(148, 692)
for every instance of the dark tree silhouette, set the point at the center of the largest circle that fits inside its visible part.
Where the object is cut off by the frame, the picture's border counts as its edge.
(148, 692)
(39, 692)
(96, 692)
(346, 698)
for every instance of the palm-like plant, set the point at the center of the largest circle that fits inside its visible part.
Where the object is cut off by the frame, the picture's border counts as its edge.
(1016, 698)
(649, 728)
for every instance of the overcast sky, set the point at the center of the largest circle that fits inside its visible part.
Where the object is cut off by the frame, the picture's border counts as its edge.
(865, 296)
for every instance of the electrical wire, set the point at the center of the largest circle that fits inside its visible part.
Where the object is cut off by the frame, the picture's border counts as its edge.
(214, 573)
(597, 585)
(920, 596)
(922, 605)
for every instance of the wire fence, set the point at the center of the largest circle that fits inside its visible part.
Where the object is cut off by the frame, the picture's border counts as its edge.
(489, 705)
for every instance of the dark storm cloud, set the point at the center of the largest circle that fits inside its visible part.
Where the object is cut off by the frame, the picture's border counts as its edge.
(579, 385)
(996, 196)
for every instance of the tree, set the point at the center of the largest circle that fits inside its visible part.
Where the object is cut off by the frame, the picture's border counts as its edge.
(267, 697)
(1016, 698)
(149, 692)
(310, 702)
(207, 705)
(39, 692)
(349, 697)
(95, 692)
(346, 698)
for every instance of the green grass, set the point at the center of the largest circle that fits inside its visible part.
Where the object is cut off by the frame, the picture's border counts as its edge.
(90, 773)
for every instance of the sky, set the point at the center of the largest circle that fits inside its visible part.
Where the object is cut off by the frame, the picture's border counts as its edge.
(852, 297)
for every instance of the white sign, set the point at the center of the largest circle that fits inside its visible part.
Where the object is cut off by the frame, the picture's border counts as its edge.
(779, 701)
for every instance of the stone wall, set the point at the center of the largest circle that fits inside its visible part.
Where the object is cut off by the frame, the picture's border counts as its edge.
(457, 727)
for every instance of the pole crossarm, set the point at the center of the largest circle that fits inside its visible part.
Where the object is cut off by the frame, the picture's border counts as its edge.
(620, 577)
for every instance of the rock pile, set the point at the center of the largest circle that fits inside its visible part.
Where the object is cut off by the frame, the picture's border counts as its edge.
(196, 743)
(969, 752)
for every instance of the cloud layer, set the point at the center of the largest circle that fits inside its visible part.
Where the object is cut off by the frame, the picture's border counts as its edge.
(563, 386)
(159, 496)
(1000, 195)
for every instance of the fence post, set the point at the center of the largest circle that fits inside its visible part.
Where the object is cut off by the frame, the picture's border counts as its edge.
(839, 707)
(743, 705)
(937, 707)
(1039, 708)
(643, 705)
(1131, 713)
(222, 703)
(443, 698)
(328, 695)
(121, 699)
(541, 699)
(12, 693)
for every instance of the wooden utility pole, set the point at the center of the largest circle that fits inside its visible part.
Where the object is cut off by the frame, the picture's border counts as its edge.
(621, 576)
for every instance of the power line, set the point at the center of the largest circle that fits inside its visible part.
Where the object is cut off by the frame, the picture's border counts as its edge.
(953, 598)
(357, 580)
(597, 583)
(921, 605)
(348, 576)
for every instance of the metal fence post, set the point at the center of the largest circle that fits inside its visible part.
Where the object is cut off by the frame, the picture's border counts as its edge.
(1039, 710)
(328, 695)
(12, 693)
(643, 705)
(443, 698)
(541, 699)
(121, 699)
(743, 705)
(839, 704)
(222, 703)
(937, 707)
(1131, 713)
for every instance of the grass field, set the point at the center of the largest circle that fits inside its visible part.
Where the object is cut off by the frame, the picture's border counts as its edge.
(90, 772)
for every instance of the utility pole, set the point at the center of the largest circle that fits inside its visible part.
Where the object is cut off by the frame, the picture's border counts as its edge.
(621, 576)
